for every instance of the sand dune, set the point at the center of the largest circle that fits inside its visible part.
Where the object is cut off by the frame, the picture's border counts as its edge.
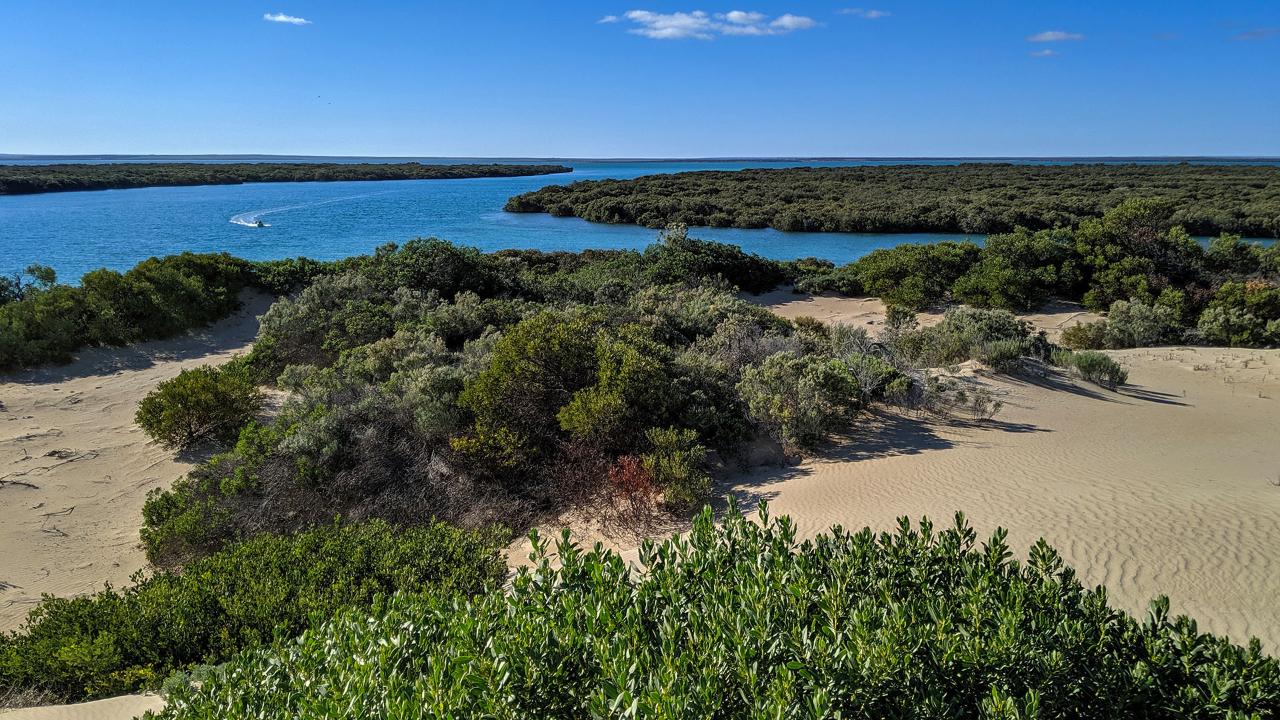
(75, 469)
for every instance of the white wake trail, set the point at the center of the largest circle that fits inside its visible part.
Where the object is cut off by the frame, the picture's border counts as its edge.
(252, 217)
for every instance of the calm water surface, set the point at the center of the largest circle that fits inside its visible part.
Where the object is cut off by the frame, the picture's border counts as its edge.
(79, 231)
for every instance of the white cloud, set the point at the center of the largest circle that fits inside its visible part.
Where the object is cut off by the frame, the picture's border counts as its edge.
(864, 13)
(699, 25)
(1043, 53)
(287, 19)
(1054, 36)
(608, 19)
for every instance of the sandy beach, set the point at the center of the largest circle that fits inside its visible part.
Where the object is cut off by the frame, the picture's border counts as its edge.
(75, 469)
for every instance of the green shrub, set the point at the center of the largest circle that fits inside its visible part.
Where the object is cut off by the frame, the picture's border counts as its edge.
(1086, 336)
(678, 258)
(43, 321)
(800, 400)
(915, 276)
(1019, 271)
(743, 621)
(204, 403)
(1135, 324)
(117, 641)
(1093, 366)
(677, 464)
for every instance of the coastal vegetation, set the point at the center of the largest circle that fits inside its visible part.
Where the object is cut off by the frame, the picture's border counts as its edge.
(31, 179)
(965, 198)
(741, 620)
(244, 596)
(436, 389)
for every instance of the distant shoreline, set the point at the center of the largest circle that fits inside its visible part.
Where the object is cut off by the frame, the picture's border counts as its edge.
(209, 158)
(72, 177)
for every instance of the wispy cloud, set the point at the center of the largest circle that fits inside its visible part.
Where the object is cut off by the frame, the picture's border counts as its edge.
(1259, 33)
(1043, 53)
(699, 25)
(864, 13)
(286, 19)
(1054, 36)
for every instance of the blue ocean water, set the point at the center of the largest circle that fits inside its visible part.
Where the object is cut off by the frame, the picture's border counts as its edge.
(80, 231)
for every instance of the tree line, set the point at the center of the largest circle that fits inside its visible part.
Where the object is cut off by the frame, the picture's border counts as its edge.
(31, 179)
(965, 198)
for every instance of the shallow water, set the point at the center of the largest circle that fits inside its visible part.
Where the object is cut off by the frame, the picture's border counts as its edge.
(79, 231)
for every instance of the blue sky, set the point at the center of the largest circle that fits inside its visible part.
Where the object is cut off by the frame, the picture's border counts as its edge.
(638, 79)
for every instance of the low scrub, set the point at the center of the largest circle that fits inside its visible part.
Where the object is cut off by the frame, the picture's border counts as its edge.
(116, 641)
(200, 404)
(1095, 367)
(743, 621)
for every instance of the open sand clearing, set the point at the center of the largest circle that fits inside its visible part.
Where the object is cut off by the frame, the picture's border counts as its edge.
(870, 312)
(116, 708)
(75, 469)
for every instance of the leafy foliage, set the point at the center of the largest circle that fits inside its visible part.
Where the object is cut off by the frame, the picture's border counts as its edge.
(204, 403)
(964, 198)
(743, 621)
(244, 596)
(45, 321)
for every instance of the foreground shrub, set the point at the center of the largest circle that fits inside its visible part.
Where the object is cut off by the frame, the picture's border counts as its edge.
(204, 403)
(117, 641)
(1135, 324)
(743, 621)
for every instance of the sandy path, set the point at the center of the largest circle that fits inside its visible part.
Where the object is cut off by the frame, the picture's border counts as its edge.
(75, 470)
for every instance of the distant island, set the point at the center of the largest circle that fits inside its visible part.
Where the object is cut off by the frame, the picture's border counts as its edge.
(32, 179)
(962, 198)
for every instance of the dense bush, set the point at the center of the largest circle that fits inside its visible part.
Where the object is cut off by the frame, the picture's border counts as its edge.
(1135, 324)
(25, 179)
(965, 198)
(743, 621)
(799, 400)
(1093, 366)
(116, 641)
(914, 276)
(204, 403)
(159, 297)
(678, 258)
(1086, 336)
(1019, 271)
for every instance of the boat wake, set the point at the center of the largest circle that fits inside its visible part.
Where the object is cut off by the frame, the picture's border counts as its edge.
(253, 218)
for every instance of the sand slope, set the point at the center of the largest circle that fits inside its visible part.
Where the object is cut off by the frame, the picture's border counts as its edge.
(116, 708)
(1166, 487)
(75, 469)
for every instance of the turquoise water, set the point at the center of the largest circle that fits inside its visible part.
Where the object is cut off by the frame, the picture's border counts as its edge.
(79, 231)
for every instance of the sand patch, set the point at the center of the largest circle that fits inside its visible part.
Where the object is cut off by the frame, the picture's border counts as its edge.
(1053, 318)
(75, 469)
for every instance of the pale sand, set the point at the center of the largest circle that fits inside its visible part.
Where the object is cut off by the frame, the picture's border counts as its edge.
(869, 312)
(116, 708)
(75, 469)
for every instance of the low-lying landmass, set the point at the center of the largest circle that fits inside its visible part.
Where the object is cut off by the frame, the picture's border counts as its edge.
(438, 402)
(965, 198)
(31, 179)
